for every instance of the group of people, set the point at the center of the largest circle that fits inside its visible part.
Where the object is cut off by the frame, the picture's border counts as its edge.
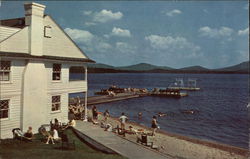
(55, 127)
(123, 119)
(154, 124)
(95, 114)
(76, 111)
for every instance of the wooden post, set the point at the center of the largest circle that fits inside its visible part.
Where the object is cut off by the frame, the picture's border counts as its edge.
(86, 97)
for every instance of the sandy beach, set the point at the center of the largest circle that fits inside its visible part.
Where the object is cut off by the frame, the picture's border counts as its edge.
(178, 146)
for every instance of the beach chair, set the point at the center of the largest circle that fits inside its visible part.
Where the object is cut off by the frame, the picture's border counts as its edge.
(145, 140)
(66, 144)
(18, 134)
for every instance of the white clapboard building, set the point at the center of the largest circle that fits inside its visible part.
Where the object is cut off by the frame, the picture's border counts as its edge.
(37, 58)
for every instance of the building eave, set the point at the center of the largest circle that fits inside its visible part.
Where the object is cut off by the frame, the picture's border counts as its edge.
(44, 57)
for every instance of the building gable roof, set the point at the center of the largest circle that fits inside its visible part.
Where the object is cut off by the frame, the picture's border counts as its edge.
(6, 32)
(60, 44)
(14, 23)
(59, 47)
(16, 41)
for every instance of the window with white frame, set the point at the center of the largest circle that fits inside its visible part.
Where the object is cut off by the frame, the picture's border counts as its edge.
(4, 109)
(56, 103)
(56, 74)
(4, 70)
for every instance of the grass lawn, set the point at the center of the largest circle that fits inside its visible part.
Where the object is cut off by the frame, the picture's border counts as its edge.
(10, 149)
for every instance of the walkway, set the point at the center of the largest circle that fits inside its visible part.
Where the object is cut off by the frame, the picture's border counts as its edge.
(122, 146)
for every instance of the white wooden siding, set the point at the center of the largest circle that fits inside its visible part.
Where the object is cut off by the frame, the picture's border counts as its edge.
(14, 86)
(59, 44)
(12, 90)
(64, 85)
(62, 88)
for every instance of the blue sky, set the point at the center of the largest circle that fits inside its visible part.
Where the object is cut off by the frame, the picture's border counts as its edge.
(177, 34)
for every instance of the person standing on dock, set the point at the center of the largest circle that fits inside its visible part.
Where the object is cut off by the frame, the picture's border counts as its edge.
(154, 125)
(123, 120)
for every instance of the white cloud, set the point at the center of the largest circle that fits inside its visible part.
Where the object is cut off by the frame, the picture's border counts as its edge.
(88, 41)
(244, 32)
(89, 23)
(87, 12)
(106, 15)
(124, 47)
(120, 32)
(173, 12)
(78, 35)
(215, 33)
(173, 45)
(103, 46)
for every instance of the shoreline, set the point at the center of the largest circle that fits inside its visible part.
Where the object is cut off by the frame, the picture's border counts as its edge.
(183, 146)
(212, 144)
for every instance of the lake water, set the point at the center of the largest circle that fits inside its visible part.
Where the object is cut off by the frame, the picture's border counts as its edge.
(221, 102)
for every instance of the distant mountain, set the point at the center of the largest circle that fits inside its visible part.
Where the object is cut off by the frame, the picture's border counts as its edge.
(143, 67)
(242, 67)
(194, 68)
(100, 65)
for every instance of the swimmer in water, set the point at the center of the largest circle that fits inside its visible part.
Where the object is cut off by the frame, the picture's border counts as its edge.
(160, 114)
(140, 115)
(188, 111)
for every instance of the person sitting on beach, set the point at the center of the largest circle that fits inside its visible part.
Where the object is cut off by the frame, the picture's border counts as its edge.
(72, 123)
(132, 130)
(55, 135)
(106, 115)
(48, 136)
(154, 125)
(123, 120)
(29, 134)
(108, 127)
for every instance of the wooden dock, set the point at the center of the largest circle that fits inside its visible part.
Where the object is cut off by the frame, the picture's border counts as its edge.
(185, 88)
(93, 100)
(106, 99)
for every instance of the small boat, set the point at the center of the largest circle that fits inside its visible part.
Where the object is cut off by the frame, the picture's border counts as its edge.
(179, 85)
